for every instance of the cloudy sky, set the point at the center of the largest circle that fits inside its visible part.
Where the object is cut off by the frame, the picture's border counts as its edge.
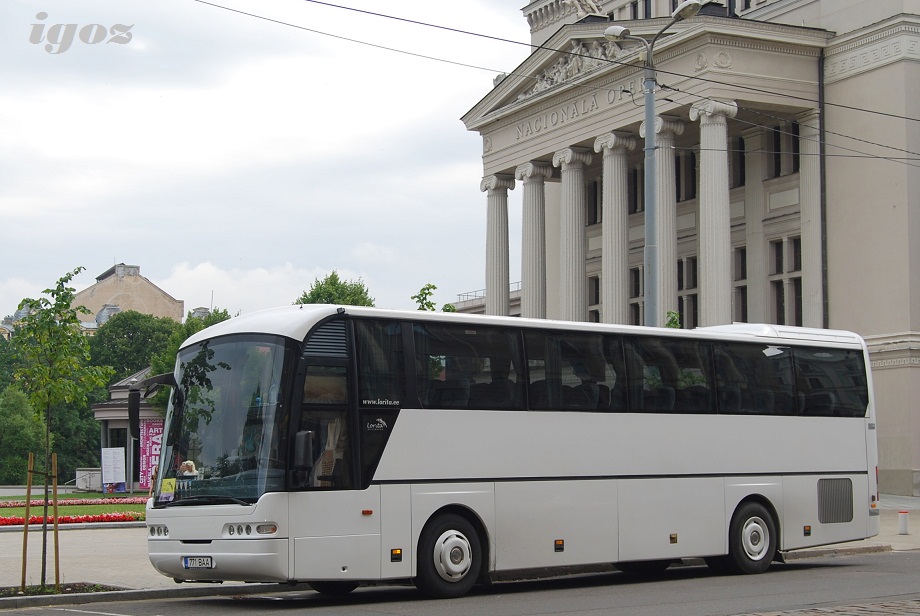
(237, 159)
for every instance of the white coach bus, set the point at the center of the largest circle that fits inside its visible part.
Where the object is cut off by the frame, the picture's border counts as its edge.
(341, 445)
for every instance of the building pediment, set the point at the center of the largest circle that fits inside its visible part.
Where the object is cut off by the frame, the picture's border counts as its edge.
(578, 54)
(566, 58)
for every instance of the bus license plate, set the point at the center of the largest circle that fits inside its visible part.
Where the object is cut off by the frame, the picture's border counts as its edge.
(197, 562)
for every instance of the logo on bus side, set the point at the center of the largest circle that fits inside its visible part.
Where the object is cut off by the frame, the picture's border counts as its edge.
(377, 425)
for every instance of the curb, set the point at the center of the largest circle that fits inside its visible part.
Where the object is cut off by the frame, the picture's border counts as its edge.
(212, 590)
(34, 528)
(824, 552)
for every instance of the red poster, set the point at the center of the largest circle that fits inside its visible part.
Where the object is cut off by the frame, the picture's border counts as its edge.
(150, 442)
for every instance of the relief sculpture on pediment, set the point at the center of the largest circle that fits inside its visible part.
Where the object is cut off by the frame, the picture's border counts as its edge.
(585, 7)
(582, 58)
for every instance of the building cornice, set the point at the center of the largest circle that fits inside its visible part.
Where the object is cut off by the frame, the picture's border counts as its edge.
(873, 47)
(897, 350)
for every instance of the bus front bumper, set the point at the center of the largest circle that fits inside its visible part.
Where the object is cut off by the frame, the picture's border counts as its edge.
(263, 560)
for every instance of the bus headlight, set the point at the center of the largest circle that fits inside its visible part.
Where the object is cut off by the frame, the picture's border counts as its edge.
(159, 531)
(245, 530)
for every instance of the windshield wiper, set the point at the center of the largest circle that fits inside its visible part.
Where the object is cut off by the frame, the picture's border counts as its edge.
(207, 499)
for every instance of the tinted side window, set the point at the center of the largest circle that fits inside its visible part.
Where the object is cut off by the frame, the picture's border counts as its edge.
(381, 372)
(468, 366)
(571, 371)
(831, 382)
(668, 375)
(381, 387)
(754, 378)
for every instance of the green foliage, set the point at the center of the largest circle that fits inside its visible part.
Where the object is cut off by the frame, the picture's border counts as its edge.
(54, 353)
(54, 369)
(334, 290)
(20, 434)
(673, 320)
(423, 299)
(7, 363)
(165, 360)
(128, 341)
(55, 372)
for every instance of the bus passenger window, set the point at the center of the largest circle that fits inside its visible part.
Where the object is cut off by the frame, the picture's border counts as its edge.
(754, 378)
(668, 375)
(831, 382)
(325, 385)
(463, 367)
(381, 373)
(570, 371)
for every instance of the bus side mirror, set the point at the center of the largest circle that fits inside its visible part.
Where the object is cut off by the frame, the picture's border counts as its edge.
(134, 413)
(303, 450)
(149, 386)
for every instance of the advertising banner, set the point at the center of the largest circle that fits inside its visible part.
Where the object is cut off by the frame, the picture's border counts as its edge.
(150, 442)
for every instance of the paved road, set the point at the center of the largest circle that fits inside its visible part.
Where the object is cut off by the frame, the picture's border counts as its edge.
(116, 555)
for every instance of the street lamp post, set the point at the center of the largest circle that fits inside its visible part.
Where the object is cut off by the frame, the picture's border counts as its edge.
(685, 9)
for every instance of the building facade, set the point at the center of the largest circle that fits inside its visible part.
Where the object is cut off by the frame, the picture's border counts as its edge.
(788, 145)
(121, 287)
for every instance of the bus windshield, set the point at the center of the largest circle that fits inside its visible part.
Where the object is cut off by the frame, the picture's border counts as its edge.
(226, 422)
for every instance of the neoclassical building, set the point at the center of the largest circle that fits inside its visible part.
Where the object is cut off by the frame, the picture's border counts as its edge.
(788, 175)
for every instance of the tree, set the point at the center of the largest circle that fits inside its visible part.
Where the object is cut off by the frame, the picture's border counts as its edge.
(333, 290)
(128, 341)
(423, 299)
(55, 368)
(20, 433)
(673, 320)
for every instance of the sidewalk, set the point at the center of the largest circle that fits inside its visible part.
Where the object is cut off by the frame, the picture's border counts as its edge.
(115, 554)
(887, 538)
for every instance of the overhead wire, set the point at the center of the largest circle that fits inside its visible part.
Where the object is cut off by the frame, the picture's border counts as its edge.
(569, 53)
(535, 47)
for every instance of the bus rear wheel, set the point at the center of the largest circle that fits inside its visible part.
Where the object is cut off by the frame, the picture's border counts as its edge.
(333, 589)
(449, 557)
(751, 540)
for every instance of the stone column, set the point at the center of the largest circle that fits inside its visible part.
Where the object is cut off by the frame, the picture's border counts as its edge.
(754, 206)
(615, 227)
(498, 301)
(715, 253)
(788, 289)
(812, 224)
(533, 241)
(666, 129)
(574, 278)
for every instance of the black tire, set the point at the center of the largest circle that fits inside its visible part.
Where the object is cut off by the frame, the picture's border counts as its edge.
(644, 567)
(449, 557)
(751, 539)
(333, 589)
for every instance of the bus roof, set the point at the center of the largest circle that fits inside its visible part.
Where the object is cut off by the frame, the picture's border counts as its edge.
(296, 321)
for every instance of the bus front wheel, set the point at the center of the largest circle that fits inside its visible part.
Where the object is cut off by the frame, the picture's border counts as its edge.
(751, 539)
(449, 557)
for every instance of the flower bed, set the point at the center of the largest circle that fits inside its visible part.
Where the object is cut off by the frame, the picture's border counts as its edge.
(127, 516)
(69, 503)
(77, 501)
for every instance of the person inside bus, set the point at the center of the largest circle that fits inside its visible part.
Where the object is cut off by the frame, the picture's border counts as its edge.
(187, 469)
